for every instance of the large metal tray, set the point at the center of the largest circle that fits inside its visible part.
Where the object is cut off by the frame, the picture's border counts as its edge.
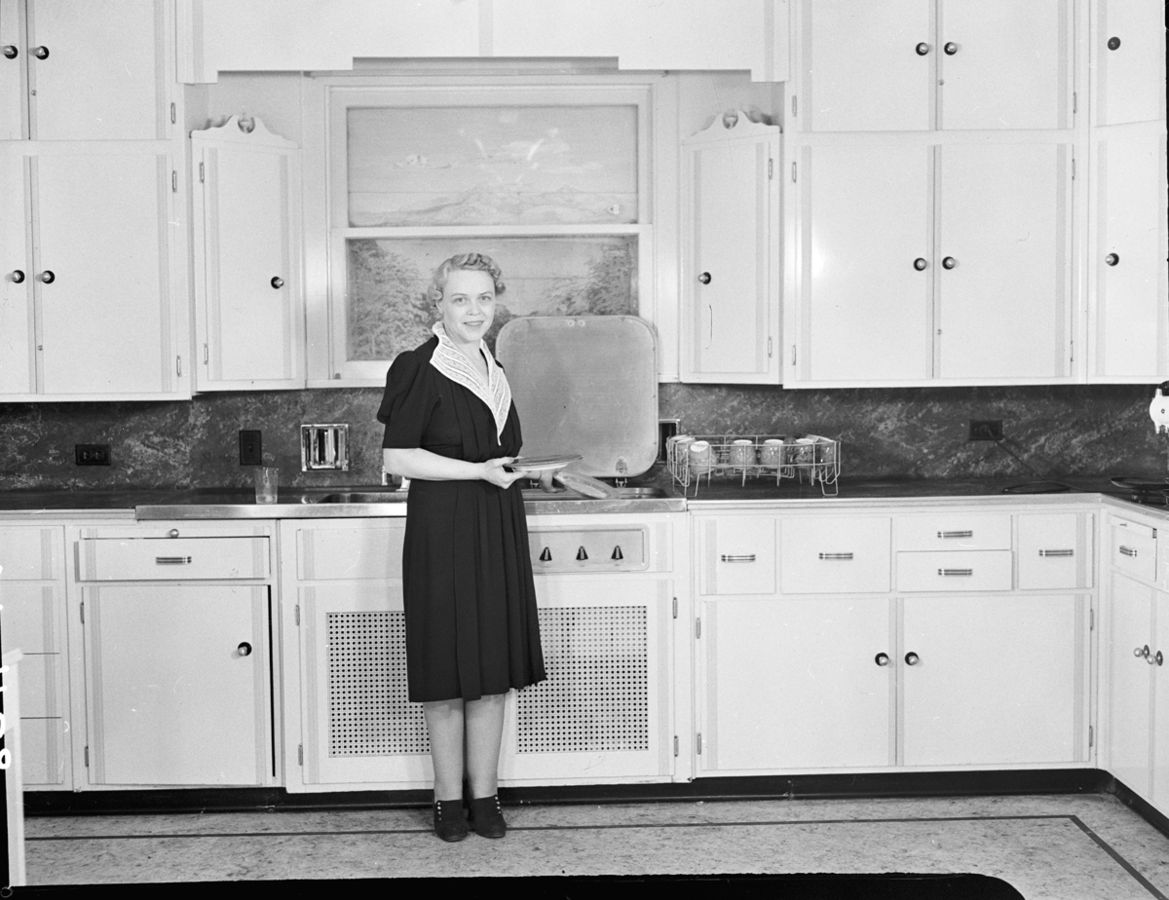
(587, 385)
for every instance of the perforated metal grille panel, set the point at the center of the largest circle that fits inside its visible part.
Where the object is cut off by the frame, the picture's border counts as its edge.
(369, 714)
(596, 697)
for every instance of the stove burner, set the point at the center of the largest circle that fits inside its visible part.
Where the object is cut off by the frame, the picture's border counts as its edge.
(1036, 487)
(1145, 491)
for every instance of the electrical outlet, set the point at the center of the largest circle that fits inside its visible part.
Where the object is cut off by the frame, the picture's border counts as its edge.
(986, 430)
(250, 448)
(91, 454)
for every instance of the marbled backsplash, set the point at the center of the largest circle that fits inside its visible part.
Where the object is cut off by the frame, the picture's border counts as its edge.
(884, 432)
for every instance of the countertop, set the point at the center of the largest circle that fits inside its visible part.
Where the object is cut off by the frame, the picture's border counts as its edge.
(303, 502)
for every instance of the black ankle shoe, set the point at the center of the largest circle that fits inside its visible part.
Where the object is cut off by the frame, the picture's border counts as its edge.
(487, 817)
(449, 822)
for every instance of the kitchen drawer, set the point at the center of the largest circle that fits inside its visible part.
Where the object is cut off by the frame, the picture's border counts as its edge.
(350, 552)
(954, 570)
(1132, 549)
(172, 559)
(953, 531)
(1054, 550)
(738, 555)
(834, 555)
(29, 553)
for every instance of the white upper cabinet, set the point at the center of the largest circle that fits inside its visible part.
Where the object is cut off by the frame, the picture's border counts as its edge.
(1127, 60)
(919, 65)
(85, 71)
(249, 303)
(98, 311)
(302, 35)
(730, 253)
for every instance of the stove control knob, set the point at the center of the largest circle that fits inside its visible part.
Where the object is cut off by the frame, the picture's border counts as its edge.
(617, 554)
(580, 553)
(545, 555)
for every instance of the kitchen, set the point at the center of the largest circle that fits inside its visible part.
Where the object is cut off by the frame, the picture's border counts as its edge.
(1079, 423)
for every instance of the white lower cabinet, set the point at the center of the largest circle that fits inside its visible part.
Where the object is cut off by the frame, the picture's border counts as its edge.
(604, 714)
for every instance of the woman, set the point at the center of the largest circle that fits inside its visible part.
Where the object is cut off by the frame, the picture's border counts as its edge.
(471, 628)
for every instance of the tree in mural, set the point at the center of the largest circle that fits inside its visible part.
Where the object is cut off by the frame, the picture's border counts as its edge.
(388, 308)
(606, 289)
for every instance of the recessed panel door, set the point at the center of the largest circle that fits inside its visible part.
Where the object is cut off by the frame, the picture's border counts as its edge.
(17, 372)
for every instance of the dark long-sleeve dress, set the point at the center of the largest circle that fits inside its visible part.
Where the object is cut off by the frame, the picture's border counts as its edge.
(470, 600)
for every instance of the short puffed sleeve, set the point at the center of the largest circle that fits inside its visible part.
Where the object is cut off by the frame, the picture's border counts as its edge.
(408, 401)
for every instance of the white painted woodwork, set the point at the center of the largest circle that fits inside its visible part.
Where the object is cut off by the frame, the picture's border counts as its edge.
(834, 555)
(738, 555)
(1129, 701)
(17, 332)
(1126, 80)
(1160, 700)
(1055, 551)
(300, 35)
(856, 311)
(1004, 216)
(961, 702)
(884, 66)
(168, 559)
(249, 298)
(954, 570)
(1131, 548)
(952, 529)
(106, 75)
(766, 670)
(730, 257)
(160, 661)
(1127, 273)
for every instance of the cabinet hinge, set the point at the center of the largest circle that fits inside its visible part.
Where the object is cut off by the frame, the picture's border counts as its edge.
(1075, 102)
(698, 744)
(1091, 736)
(86, 755)
(770, 169)
(793, 354)
(1073, 168)
(174, 117)
(206, 354)
(674, 608)
(82, 607)
(793, 172)
(1091, 620)
(795, 106)
(675, 745)
(296, 609)
(697, 627)
(769, 354)
(179, 366)
(174, 181)
(300, 754)
(202, 173)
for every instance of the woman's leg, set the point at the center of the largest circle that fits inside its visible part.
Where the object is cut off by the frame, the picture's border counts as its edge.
(484, 724)
(444, 722)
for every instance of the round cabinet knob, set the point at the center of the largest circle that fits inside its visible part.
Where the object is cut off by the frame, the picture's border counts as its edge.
(173, 533)
(704, 278)
(920, 264)
(949, 262)
(244, 649)
(277, 282)
(1114, 43)
(1141, 652)
(912, 659)
(17, 276)
(1159, 659)
(10, 52)
(40, 52)
(1112, 259)
(922, 49)
(881, 659)
(47, 276)
(950, 49)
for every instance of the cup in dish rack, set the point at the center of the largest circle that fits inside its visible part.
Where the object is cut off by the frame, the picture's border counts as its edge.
(805, 452)
(742, 453)
(771, 453)
(700, 456)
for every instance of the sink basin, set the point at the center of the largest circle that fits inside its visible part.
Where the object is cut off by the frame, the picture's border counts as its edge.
(617, 493)
(365, 495)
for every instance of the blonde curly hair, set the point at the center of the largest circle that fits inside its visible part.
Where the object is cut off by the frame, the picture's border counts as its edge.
(476, 261)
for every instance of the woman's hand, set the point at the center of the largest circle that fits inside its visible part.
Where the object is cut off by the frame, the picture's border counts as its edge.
(495, 473)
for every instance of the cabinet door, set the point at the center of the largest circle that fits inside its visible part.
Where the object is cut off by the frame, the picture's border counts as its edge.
(730, 269)
(106, 302)
(179, 685)
(1127, 61)
(963, 659)
(1127, 272)
(1160, 679)
(987, 51)
(789, 684)
(1129, 699)
(860, 67)
(1055, 551)
(17, 337)
(250, 311)
(859, 263)
(1004, 253)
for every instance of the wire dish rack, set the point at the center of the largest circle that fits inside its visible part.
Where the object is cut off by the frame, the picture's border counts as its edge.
(805, 458)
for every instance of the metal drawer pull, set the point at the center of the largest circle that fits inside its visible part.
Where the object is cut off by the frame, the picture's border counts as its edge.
(948, 572)
(738, 557)
(835, 556)
(1050, 553)
(1158, 658)
(172, 560)
(955, 534)
(1128, 551)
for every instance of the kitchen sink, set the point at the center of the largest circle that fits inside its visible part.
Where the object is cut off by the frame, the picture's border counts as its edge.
(363, 495)
(616, 493)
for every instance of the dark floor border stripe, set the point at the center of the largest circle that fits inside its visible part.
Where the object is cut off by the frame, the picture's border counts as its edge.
(1120, 860)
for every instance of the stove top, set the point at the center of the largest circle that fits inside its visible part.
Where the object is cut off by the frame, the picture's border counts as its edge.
(1146, 491)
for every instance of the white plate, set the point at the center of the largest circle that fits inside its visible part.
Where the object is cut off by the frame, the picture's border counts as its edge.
(542, 463)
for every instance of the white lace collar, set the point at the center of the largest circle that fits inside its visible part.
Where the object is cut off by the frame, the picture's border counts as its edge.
(452, 363)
